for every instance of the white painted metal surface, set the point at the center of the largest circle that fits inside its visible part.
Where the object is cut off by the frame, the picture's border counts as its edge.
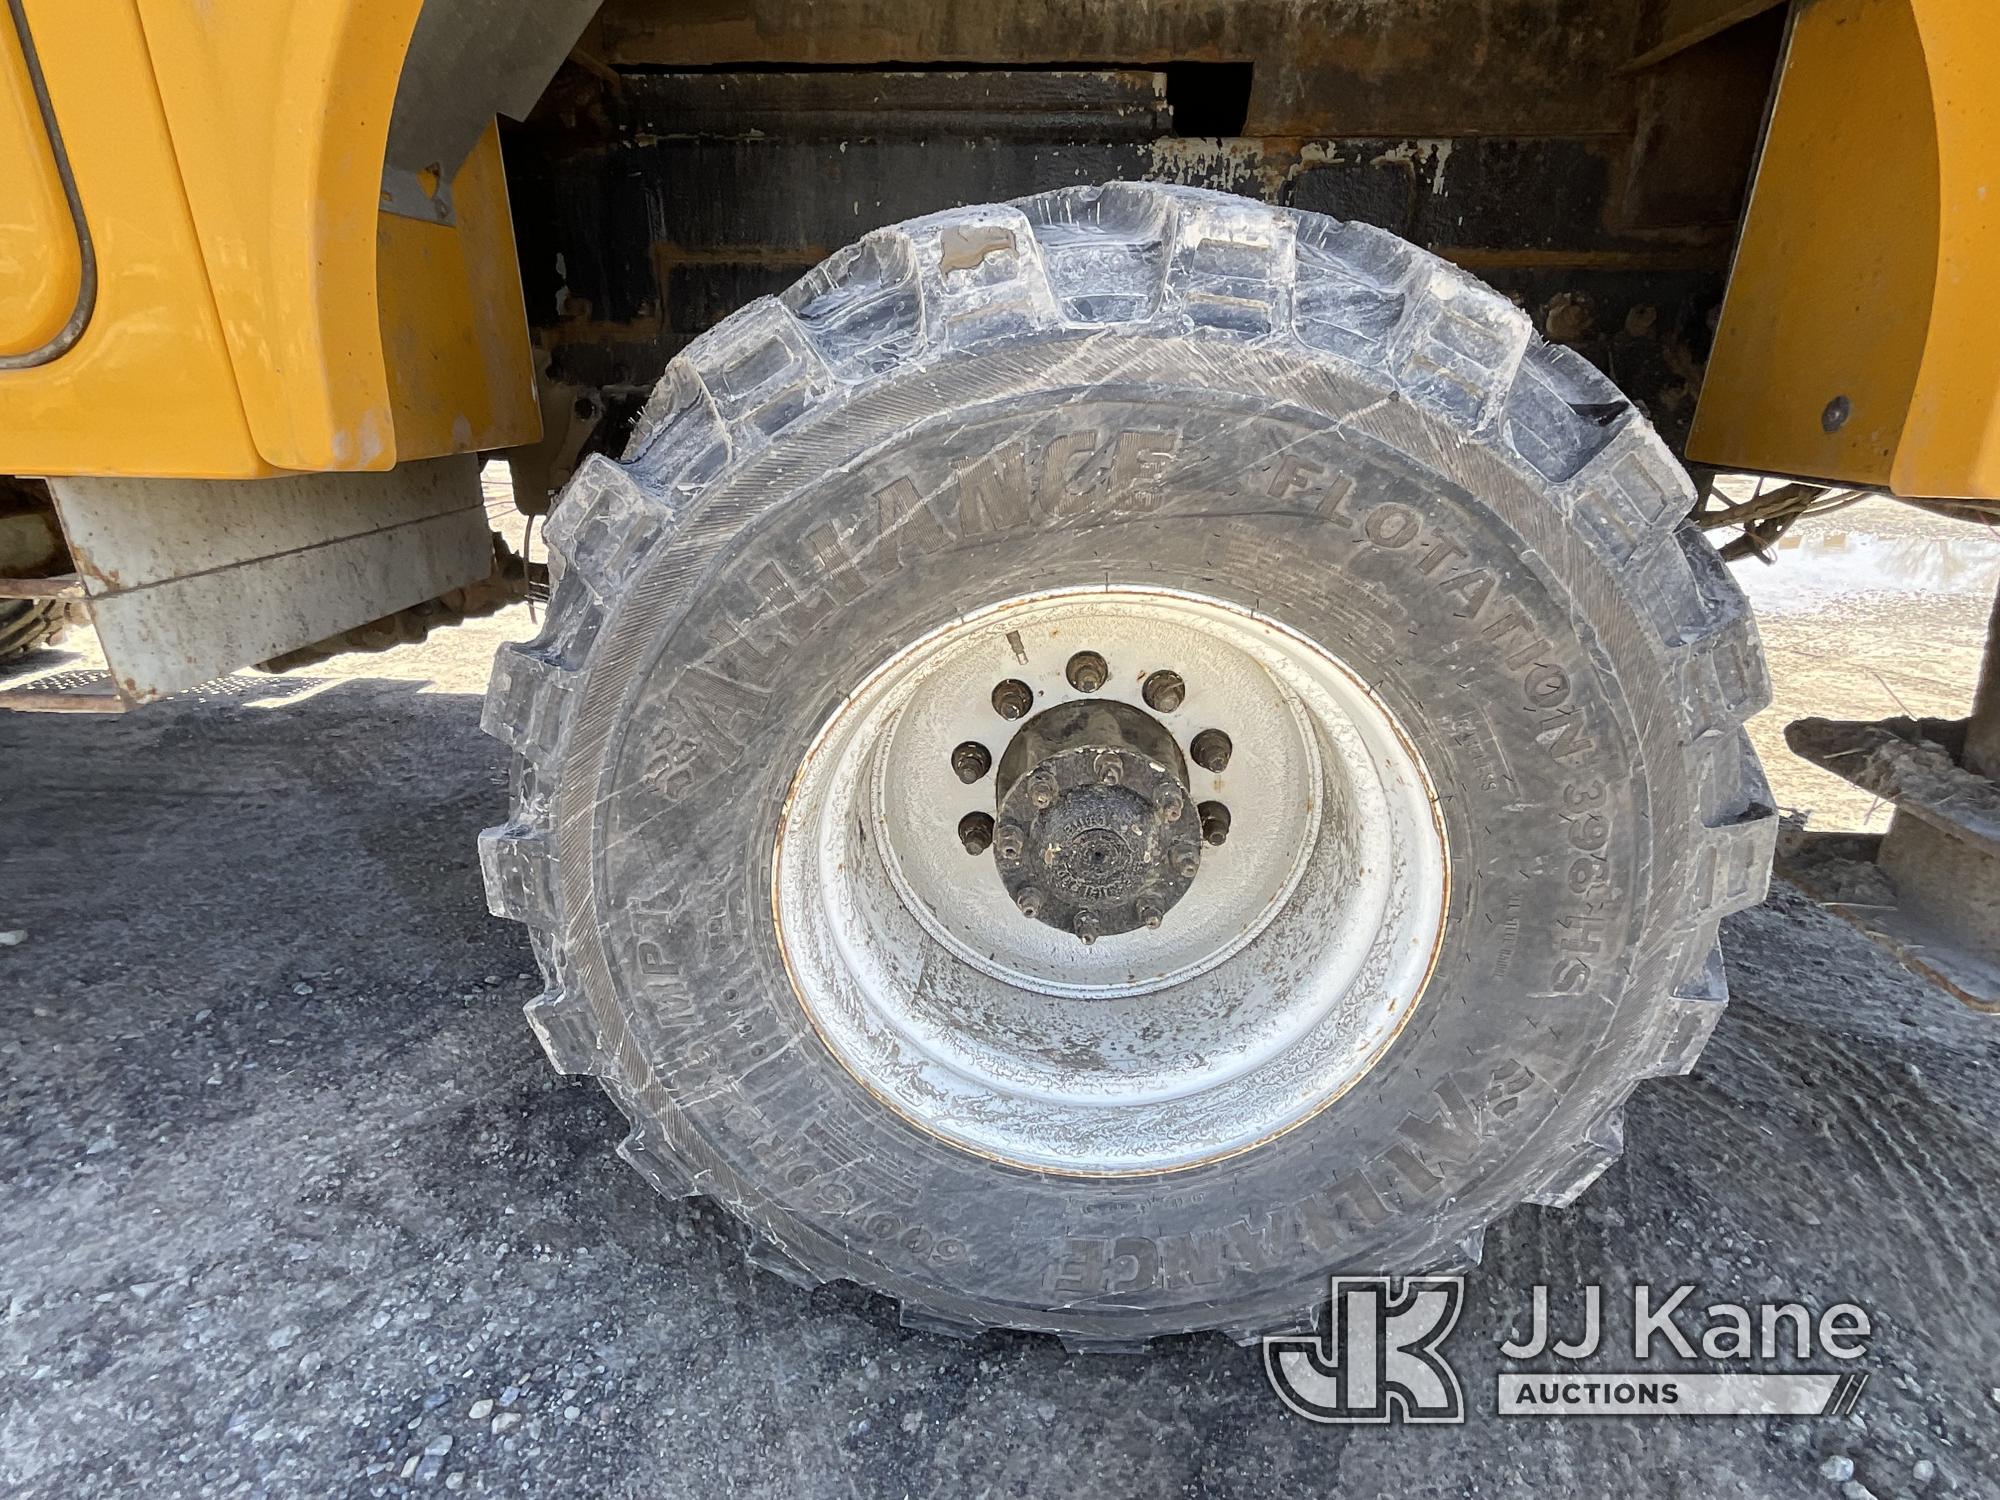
(190, 578)
(1284, 972)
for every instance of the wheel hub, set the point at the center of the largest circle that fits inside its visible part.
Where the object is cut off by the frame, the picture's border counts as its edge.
(979, 838)
(1095, 836)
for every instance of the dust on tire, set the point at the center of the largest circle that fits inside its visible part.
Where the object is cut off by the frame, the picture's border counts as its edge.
(1485, 491)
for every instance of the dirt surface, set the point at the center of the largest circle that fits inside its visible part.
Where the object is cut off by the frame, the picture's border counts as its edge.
(1874, 610)
(290, 1203)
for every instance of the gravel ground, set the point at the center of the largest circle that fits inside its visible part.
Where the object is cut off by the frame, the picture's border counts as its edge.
(290, 1203)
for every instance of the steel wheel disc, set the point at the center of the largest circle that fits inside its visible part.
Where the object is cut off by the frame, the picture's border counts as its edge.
(1293, 959)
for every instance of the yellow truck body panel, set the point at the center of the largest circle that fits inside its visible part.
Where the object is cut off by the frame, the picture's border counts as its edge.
(149, 388)
(258, 312)
(41, 260)
(1860, 340)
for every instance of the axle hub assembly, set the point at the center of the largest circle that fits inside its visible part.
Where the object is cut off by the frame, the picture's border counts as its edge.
(1097, 834)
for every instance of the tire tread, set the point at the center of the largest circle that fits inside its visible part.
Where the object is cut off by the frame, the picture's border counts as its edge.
(1148, 258)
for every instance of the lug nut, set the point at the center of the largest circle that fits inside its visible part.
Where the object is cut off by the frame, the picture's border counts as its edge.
(1109, 768)
(975, 831)
(1030, 901)
(1087, 672)
(1042, 789)
(1164, 692)
(1085, 926)
(1171, 804)
(1150, 913)
(1211, 750)
(1013, 698)
(971, 761)
(1008, 842)
(1214, 823)
(1187, 863)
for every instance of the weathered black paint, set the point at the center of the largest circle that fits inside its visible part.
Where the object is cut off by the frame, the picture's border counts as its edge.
(650, 204)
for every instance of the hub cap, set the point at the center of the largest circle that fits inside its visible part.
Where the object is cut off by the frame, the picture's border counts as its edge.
(1109, 881)
(1096, 835)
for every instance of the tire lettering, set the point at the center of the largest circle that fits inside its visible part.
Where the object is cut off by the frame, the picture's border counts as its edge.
(1329, 1221)
(1392, 526)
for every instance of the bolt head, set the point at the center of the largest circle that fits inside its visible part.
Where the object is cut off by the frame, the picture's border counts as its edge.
(1150, 913)
(1030, 901)
(1171, 805)
(1164, 691)
(1187, 864)
(1211, 750)
(1013, 698)
(1009, 842)
(975, 832)
(1042, 789)
(1087, 672)
(1086, 927)
(1214, 823)
(1110, 769)
(970, 761)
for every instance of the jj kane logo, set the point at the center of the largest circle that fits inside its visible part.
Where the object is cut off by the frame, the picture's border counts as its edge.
(1381, 1358)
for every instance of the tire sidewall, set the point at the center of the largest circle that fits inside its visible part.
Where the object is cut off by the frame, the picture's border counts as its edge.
(744, 628)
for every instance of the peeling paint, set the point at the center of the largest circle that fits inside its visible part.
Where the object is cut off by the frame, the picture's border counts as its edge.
(1432, 155)
(1233, 165)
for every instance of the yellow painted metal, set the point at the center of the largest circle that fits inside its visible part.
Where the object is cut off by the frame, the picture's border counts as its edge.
(1951, 441)
(41, 267)
(1858, 340)
(149, 388)
(461, 370)
(230, 163)
(279, 115)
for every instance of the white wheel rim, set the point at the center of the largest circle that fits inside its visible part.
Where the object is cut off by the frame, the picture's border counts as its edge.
(1296, 955)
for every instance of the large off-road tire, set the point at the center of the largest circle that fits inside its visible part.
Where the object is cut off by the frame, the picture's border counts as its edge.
(30, 624)
(1432, 573)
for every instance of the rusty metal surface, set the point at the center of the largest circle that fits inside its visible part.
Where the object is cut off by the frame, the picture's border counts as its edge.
(1123, 104)
(1414, 67)
(653, 199)
(1671, 27)
(1696, 133)
(61, 586)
